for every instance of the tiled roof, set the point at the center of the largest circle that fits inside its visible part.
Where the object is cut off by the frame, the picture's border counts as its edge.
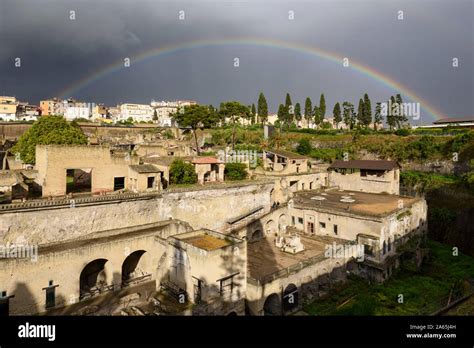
(206, 160)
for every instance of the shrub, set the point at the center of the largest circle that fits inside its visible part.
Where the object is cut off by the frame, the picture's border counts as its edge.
(304, 147)
(182, 173)
(403, 132)
(235, 171)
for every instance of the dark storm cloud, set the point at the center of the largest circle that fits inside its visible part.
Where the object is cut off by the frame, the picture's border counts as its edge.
(416, 52)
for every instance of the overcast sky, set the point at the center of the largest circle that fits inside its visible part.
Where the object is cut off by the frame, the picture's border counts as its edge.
(56, 52)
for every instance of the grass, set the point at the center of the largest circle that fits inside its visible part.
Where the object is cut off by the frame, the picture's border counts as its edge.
(422, 291)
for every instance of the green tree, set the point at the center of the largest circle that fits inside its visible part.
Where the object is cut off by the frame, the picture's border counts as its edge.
(48, 130)
(288, 102)
(322, 107)
(378, 118)
(304, 146)
(402, 118)
(262, 108)
(234, 110)
(317, 115)
(235, 171)
(289, 110)
(195, 117)
(360, 112)
(337, 114)
(298, 112)
(367, 110)
(155, 116)
(349, 115)
(253, 112)
(281, 114)
(391, 113)
(182, 173)
(308, 109)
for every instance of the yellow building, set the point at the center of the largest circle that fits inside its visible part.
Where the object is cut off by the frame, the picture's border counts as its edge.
(8, 107)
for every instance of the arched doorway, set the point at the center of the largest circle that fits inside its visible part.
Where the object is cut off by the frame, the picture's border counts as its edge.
(134, 268)
(232, 314)
(282, 223)
(270, 227)
(93, 279)
(272, 306)
(290, 297)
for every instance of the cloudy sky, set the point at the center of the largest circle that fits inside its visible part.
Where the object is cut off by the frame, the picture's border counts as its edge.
(277, 54)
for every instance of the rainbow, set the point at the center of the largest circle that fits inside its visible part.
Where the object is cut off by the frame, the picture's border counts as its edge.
(313, 51)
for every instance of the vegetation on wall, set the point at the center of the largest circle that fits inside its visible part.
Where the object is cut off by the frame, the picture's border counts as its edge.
(425, 291)
(48, 130)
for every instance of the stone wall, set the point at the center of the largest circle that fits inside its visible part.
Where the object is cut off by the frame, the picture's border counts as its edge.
(201, 208)
(388, 183)
(26, 278)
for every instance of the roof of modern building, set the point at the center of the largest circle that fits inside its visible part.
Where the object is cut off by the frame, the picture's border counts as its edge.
(287, 154)
(454, 120)
(335, 201)
(144, 168)
(206, 160)
(364, 164)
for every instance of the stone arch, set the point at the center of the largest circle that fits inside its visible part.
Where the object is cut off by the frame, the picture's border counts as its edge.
(282, 222)
(290, 297)
(272, 305)
(135, 267)
(93, 278)
(232, 314)
(270, 227)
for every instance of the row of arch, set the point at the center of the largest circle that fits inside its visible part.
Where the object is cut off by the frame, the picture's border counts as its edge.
(275, 305)
(93, 277)
(270, 228)
(288, 301)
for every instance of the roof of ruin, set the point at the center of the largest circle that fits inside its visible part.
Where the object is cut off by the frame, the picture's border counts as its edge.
(163, 160)
(287, 154)
(364, 204)
(10, 178)
(144, 168)
(364, 164)
(206, 160)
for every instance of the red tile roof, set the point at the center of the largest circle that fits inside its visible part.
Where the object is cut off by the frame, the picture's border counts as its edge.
(206, 160)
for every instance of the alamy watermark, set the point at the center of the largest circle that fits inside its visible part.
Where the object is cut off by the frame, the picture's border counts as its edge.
(238, 156)
(344, 251)
(400, 109)
(19, 251)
